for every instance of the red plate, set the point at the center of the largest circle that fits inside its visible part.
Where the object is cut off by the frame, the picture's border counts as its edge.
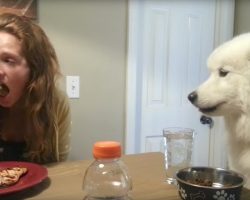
(36, 174)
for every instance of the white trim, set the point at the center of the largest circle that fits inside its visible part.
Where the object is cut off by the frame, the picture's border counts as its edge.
(130, 129)
(224, 21)
(224, 25)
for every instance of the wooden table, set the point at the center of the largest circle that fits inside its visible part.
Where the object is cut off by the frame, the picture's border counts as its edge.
(65, 181)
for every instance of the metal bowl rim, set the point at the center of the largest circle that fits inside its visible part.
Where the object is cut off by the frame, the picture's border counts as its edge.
(210, 187)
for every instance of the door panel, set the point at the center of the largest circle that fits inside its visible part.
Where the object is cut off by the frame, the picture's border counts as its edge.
(174, 44)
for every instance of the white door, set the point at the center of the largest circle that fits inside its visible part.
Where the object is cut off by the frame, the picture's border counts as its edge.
(169, 42)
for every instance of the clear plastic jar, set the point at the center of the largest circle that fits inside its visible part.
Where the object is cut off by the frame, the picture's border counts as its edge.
(107, 177)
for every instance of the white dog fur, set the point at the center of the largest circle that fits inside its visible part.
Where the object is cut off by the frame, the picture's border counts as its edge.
(227, 93)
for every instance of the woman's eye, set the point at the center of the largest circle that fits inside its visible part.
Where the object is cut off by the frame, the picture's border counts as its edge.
(223, 72)
(9, 61)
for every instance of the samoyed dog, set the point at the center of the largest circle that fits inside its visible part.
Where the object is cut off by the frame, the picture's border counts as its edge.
(227, 93)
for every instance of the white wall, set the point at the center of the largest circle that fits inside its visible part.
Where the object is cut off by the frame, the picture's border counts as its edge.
(90, 40)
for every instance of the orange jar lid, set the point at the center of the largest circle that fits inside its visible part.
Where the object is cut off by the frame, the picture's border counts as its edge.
(107, 149)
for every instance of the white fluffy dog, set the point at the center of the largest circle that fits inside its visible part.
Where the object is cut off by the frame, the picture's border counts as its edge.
(227, 93)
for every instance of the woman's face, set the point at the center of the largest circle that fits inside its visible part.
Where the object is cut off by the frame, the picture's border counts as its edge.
(14, 71)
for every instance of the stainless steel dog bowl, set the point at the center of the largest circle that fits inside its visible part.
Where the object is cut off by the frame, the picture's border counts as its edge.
(206, 183)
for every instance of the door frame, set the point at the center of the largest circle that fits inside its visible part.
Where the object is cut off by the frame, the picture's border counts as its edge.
(224, 25)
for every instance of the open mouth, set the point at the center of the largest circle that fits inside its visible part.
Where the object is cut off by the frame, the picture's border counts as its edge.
(210, 109)
(4, 90)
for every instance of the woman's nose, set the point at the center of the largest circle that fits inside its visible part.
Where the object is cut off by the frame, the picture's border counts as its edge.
(2, 73)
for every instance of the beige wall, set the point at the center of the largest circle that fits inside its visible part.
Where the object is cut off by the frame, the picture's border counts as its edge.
(242, 16)
(90, 39)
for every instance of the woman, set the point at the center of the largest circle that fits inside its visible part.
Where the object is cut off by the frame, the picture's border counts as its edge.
(34, 113)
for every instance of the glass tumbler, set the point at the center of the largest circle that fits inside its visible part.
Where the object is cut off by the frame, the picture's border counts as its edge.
(178, 147)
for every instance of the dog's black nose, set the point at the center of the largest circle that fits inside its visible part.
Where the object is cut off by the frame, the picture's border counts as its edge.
(192, 97)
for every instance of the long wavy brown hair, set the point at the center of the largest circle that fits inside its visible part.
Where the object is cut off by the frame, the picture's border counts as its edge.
(39, 97)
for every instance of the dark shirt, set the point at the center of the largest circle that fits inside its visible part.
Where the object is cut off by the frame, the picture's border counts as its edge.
(11, 151)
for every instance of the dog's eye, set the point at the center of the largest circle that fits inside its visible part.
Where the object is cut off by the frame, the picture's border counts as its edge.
(223, 72)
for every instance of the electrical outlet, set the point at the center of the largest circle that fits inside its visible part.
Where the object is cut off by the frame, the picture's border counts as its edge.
(73, 86)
